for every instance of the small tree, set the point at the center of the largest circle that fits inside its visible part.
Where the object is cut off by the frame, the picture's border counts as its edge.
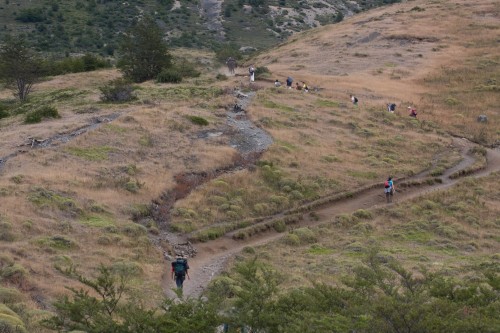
(19, 66)
(143, 51)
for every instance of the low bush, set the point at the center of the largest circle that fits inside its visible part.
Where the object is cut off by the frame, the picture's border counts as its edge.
(86, 63)
(221, 77)
(198, 120)
(4, 113)
(169, 75)
(262, 72)
(118, 90)
(38, 115)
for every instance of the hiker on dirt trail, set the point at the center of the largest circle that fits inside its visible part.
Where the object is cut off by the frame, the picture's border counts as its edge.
(298, 86)
(180, 269)
(354, 100)
(389, 189)
(391, 107)
(305, 87)
(277, 83)
(412, 112)
(251, 70)
(289, 81)
(231, 64)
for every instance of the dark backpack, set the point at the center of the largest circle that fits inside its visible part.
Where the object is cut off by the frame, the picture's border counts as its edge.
(355, 100)
(180, 266)
(386, 184)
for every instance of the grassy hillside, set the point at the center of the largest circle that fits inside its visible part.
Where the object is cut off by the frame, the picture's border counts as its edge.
(95, 26)
(75, 204)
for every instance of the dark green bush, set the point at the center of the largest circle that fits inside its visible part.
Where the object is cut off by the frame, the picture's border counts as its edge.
(221, 77)
(118, 90)
(169, 75)
(87, 63)
(3, 112)
(187, 69)
(38, 115)
(198, 120)
(262, 72)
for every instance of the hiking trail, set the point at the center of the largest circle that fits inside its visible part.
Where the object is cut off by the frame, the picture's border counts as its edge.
(212, 256)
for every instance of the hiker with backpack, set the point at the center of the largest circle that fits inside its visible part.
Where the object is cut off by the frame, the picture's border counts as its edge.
(251, 70)
(412, 112)
(391, 107)
(354, 100)
(389, 189)
(180, 269)
(289, 81)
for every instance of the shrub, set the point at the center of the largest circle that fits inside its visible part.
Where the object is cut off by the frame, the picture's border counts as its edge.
(262, 72)
(198, 120)
(126, 268)
(38, 115)
(4, 113)
(279, 226)
(291, 239)
(9, 296)
(134, 230)
(57, 242)
(118, 90)
(305, 235)
(10, 321)
(6, 232)
(363, 214)
(169, 75)
(221, 77)
(187, 69)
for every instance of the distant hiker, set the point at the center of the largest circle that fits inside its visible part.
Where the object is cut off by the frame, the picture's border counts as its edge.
(412, 112)
(231, 64)
(289, 81)
(305, 87)
(391, 107)
(277, 83)
(354, 100)
(180, 269)
(482, 118)
(389, 189)
(251, 70)
(298, 86)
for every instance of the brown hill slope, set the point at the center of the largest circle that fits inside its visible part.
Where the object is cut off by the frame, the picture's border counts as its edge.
(440, 56)
(72, 204)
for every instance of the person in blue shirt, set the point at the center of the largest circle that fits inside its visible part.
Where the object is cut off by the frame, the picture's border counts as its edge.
(389, 189)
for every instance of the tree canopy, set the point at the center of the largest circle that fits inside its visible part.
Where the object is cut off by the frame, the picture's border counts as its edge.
(20, 67)
(143, 51)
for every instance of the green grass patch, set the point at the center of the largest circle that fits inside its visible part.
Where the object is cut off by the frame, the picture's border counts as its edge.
(198, 120)
(97, 221)
(327, 103)
(329, 159)
(182, 93)
(38, 115)
(317, 249)
(362, 174)
(91, 153)
(273, 105)
(115, 128)
(56, 242)
(42, 197)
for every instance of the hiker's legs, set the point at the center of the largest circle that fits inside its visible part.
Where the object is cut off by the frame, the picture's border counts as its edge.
(387, 197)
(179, 280)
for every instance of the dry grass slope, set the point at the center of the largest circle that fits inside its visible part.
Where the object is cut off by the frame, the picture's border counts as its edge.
(72, 205)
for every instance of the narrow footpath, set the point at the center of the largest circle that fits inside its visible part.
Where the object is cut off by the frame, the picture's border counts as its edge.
(212, 256)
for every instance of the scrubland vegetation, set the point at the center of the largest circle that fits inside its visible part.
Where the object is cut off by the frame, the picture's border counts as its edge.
(80, 213)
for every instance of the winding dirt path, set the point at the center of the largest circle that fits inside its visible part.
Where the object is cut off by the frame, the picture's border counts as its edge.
(213, 255)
